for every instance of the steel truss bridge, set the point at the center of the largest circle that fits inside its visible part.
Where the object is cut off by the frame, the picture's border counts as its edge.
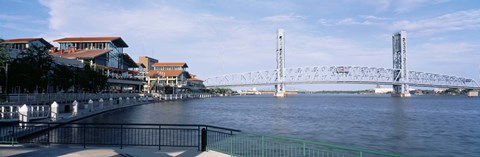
(399, 77)
(340, 75)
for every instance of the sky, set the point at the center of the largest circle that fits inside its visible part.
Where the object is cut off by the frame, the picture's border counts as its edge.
(219, 37)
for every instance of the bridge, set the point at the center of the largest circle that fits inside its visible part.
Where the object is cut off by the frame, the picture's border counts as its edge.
(398, 76)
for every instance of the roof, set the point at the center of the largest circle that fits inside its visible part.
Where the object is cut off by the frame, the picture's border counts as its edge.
(81, 54)
(171, 64)
(165, 72)
(117, 41)
(141, 65)
(21, 40)
(67, 62)
(194, 79)
(27, 40)
(150, 58)
(129, 61)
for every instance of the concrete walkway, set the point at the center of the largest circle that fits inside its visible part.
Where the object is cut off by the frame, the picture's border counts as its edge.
(78, 151)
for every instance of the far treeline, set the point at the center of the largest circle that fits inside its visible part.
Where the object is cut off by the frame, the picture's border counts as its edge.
(34, 70)
(221, 91)
(450, 91)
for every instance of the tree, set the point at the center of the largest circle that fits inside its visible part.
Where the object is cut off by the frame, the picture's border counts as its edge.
(4, 59)
(221, 91)
(31, 69)
(91, 80)
(63, 77)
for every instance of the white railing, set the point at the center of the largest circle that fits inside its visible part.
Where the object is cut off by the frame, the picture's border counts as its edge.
(41, 106)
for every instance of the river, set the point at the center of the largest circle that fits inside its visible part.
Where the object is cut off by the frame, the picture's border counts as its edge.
(415, 126)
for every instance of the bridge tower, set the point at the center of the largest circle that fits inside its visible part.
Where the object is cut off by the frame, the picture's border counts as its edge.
(400, 72)
(280, 87)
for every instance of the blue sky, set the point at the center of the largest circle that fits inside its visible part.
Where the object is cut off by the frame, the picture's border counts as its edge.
(220, 37)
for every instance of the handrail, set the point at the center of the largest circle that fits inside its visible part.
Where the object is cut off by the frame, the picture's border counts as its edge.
(226, 140)
(325, 144)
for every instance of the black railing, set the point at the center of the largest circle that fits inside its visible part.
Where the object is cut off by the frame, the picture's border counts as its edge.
(90, 134)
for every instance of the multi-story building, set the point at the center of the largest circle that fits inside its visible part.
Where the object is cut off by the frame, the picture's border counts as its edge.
(106, 55)
(195, 85)
(148, 62)
(15, 46)
(166, 75)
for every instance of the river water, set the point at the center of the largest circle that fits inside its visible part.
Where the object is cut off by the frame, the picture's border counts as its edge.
(415, 126)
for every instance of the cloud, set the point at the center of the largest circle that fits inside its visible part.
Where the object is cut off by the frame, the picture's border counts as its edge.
(20, 23)
(409, 5)
(12, 17)
(20, 28)
(360, 20)
(402, 6)
(461, 20)
(215, 43)
(283, 18)
(452, 58)
(168, 33)
(372, 17)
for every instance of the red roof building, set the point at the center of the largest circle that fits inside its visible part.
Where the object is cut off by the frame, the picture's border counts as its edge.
(25, 43)
(104, 54)
(170, 66)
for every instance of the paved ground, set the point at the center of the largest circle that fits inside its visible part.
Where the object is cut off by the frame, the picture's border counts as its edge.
(76, 151)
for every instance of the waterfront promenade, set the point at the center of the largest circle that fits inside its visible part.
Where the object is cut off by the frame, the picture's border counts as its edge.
(77, 151)
(41, 106)
(94, 109)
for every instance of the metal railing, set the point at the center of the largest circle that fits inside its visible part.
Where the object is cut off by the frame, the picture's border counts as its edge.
(160, 135)
(204, 137)
(261, 145)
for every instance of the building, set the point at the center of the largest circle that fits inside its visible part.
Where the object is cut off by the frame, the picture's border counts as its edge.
(439, 90)
(104, 54)
(141, 74)
(195, 85)
(170, 66)
(148, 62)
(15, 46)
(383, 90)
(168, 77)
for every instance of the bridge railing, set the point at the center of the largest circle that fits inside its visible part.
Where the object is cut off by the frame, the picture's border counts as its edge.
(339, 74)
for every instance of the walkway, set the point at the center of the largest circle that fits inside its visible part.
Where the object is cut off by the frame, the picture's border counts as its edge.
(78, 151)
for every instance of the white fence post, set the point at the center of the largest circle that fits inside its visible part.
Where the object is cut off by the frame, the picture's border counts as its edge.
(90, 104)
(75, 108)
(54, 111)
(24, 115)
(101, 103)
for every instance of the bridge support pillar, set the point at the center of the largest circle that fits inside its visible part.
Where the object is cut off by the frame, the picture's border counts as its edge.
(472, 93)
(400, 72)
(280, 88)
